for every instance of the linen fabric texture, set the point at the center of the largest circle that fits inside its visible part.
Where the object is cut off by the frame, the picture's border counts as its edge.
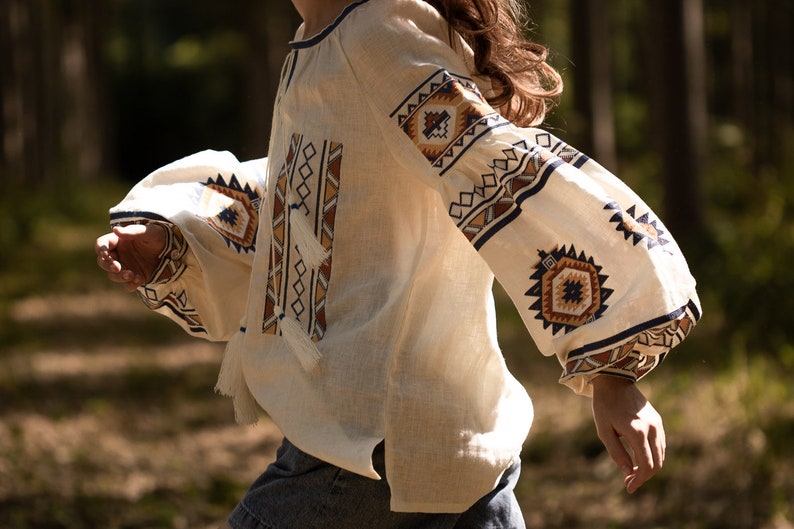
(417, 193)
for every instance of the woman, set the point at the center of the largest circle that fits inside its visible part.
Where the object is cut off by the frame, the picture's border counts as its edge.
(351, 270)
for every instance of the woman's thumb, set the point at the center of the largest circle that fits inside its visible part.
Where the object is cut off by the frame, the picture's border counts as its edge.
(130, 230)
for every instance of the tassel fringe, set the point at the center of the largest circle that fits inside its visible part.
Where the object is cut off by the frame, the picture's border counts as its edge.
(231, 382)
(309, 246)
(299, 342)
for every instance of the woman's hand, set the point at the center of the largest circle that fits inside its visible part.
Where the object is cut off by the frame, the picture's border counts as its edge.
(620, 410)
(131, 254)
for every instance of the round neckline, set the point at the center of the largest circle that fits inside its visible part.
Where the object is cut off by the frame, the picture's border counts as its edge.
(308, 43)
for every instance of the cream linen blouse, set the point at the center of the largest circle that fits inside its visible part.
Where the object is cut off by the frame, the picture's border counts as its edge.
(351, 271)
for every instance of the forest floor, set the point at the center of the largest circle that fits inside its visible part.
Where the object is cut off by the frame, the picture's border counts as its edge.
(109, 421)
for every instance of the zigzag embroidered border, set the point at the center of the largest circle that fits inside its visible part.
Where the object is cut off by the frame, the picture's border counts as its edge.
(521, 173)
(178, 304)
(645, 346)
(169, 271)
(567, 153)
(315, 180)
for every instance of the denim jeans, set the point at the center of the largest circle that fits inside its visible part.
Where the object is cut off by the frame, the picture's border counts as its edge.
(299, 491)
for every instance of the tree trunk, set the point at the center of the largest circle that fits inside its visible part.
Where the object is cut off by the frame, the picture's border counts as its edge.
(593, 117)
(51, 93)
(84, 122)
(741, 67)
(20, 86)
(772, 108)
(677, 75)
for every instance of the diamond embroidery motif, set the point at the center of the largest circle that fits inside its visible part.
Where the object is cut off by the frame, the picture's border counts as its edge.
(444, 116)
(313, 174)
(569, 289)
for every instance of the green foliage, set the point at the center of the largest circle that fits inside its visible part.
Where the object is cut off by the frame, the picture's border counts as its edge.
(744, 266)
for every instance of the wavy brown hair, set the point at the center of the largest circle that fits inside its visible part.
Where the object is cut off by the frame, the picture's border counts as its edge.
(525, 86)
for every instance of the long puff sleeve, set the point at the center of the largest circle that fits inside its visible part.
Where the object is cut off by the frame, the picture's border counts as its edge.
(597, 278)
(210, 201)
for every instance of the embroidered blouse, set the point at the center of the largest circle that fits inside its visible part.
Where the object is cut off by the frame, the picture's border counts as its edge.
(351, 270)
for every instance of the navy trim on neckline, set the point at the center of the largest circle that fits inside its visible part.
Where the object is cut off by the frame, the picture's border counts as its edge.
(298, 44)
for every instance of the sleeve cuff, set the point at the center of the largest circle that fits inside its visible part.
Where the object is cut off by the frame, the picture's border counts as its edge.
(633, 358)
(172, 256)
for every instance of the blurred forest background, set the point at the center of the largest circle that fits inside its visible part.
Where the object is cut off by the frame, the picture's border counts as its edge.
(108, 415)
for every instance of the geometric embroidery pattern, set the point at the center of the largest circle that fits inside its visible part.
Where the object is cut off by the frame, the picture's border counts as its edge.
(638, 228)
(485, 208)
(273, 289)
(171, 265)
(569, 288)
(561, 149)
(328, 199)
(232, 210)
(177, 303)
(171, 269)
(636, 357)
(307, 184)
(444, 116)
